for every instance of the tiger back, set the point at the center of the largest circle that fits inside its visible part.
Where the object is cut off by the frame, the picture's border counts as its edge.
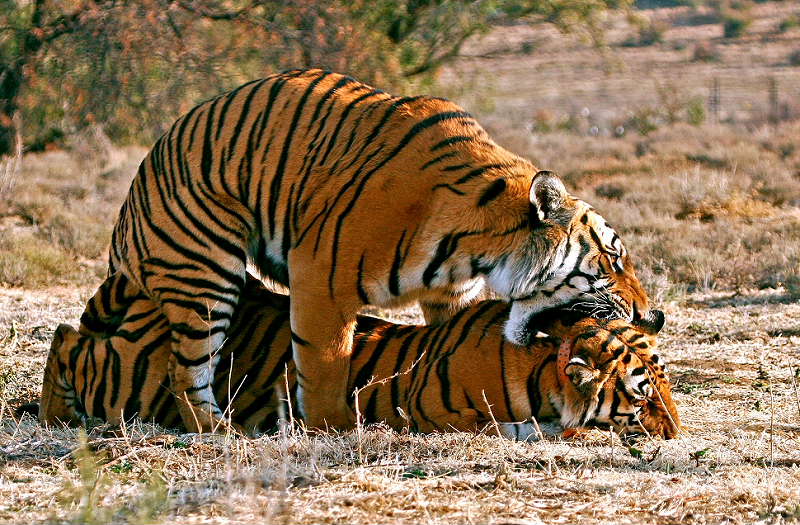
(460, 375)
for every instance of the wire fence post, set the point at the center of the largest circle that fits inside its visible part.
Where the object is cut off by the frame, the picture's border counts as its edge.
(774, 109)
(714, 100)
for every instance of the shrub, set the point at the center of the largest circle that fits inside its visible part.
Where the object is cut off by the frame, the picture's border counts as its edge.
(794, 58)
(610, 191)
(696, 111)
(645, 120)
(543, 121)
(650, 33)
(705, 52)
(789, 23)
(28, 261)
(735, 25)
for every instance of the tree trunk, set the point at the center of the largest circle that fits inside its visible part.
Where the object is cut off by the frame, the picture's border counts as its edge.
(10, 83)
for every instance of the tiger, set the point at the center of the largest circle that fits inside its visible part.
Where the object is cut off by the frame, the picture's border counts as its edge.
(349, 196)
(460, 375)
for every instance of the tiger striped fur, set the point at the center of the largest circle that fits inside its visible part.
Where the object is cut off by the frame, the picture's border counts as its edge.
(441, 377)
(349, 196)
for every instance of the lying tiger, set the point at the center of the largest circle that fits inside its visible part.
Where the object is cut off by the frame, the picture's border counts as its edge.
(460, 375)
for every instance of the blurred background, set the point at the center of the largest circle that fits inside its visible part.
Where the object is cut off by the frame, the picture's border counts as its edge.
(678, 119)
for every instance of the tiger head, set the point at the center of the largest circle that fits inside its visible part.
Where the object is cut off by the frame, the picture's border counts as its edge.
(610, 376)
(585, 265)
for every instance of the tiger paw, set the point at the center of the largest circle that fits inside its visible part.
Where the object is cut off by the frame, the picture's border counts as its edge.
(330, 420)
(574, 433)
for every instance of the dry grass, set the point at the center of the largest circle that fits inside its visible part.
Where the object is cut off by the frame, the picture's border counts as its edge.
(737, 462)
(701, 208)
(704, 209)
(56, 219)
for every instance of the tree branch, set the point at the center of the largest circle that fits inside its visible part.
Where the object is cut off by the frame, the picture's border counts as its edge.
(213, 14)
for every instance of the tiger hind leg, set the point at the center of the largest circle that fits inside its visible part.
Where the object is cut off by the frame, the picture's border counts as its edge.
(195, 354)
(199, 310)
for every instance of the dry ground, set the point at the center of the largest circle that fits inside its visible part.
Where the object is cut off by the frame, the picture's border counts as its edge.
(738, 461)
(707, 211)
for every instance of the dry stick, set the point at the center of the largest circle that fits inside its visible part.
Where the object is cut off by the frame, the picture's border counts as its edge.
(123, 428)
(288, 395)
(653, 384)
(794, 386)
(646, 433)
(212, 352)
(370, 383)
(228, 412)
(611, 440)
(229, 408)
(539, 433)
(771, 428)
(191, 409)
(3, 405)
(491, 414)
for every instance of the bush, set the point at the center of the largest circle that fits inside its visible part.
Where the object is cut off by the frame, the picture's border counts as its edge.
(735, 25)
(789, 23)
(645, 121)
(650, 33)
(696, 111)
(794, 58)
(705, 52)
(28, 261)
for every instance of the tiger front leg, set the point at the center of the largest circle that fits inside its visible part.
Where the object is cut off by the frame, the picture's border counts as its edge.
(439, 306)
(322, 340)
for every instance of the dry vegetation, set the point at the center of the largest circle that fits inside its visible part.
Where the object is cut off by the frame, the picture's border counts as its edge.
(712, 213)
(732, 359)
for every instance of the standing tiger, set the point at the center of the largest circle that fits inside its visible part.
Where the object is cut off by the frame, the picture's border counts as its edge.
(349, 196)
(458, 375)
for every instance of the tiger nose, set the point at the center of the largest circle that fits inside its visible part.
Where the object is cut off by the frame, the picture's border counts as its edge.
(637, 313)
(641, 311)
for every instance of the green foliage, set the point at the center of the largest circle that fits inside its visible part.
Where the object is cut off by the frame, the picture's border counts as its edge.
(735, 25)
(133, 67)
(645, 120)
(698, 455)
(696, 111)
(794, 58)
(789, 23)
(415, 472)
(649, 33)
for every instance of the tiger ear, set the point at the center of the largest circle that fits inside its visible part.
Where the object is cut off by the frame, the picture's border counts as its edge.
(581, 373)
(547, 193)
